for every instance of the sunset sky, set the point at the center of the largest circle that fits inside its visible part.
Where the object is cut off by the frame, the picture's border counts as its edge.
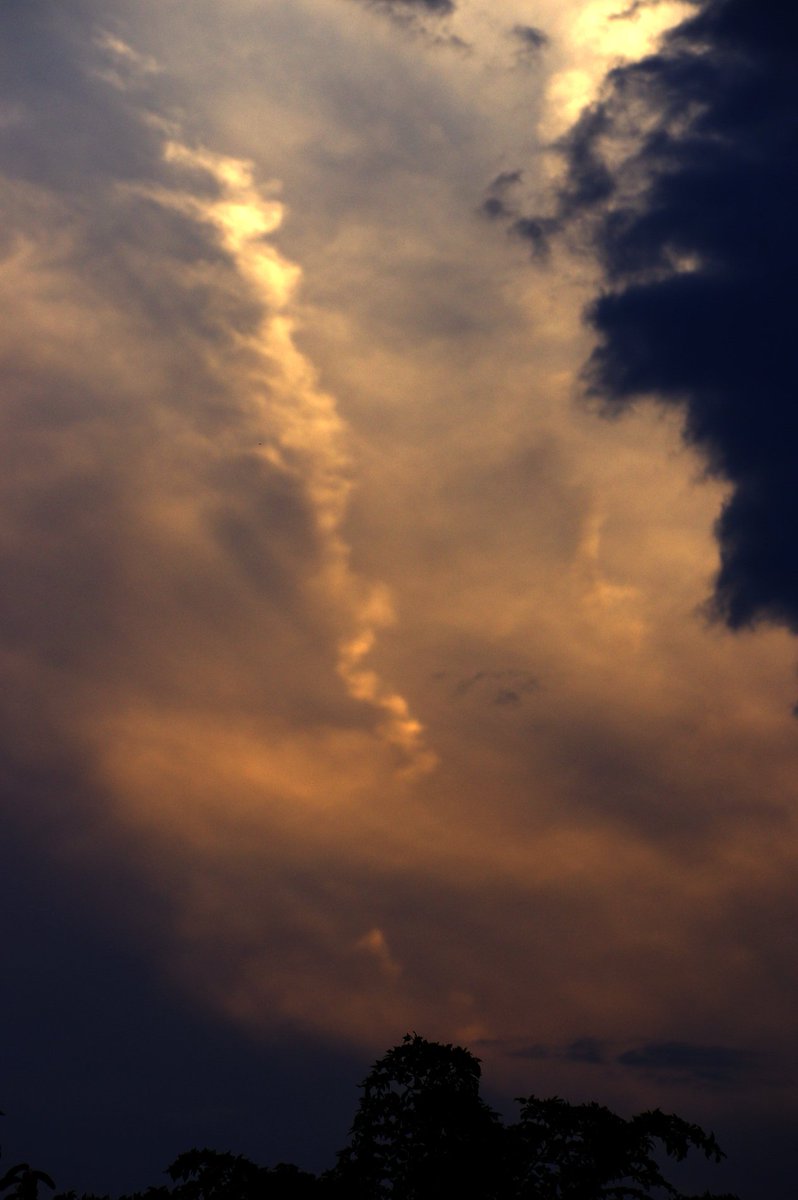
(399, 578)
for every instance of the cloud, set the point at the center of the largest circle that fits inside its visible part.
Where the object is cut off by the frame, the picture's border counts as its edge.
(411, 13)
(684, 173)
(531, 38)
(515, 685)
(669, 1063)
(422, 19)
(586, 1049)
(219, 458)
(580, 1050)
(211, 697)
(497, 202)
(634, 9)
(717, 1066)
(434, 7)
(181, 630)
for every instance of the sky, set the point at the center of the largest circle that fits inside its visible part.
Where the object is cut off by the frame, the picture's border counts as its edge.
(399, 583)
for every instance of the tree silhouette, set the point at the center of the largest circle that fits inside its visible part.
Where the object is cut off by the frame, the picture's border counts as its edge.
(22, 1182)
(422, 1132)
(562, 1151)
(421, 1129)
(209, 1175)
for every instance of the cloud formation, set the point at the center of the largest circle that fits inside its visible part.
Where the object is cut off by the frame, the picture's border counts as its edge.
(531, 38)
(715, 1066)
(433, 6)
(294, 470)
(684, 171)
(180, 611)
(407, 9)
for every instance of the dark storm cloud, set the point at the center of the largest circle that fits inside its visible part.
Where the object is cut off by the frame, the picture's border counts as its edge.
(585, 1050)
(695, 229)
(506, 180)
(537, 231)
(633, 9)
(515, 685)
(581, 1050)
(530, 37)
(666, 1062)
(499, 205)
(424, 19)
(432, 7)
(717, 1066)
(498, 202)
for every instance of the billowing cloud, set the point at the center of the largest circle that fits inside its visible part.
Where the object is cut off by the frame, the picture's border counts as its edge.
(684, 168)
(179, 611)
(353, 671)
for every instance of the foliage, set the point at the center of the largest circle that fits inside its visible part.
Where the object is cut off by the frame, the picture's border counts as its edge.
(421, 1129)
(422, 1132)
(563, 1151)
(209, 1175)
(22, 1182)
